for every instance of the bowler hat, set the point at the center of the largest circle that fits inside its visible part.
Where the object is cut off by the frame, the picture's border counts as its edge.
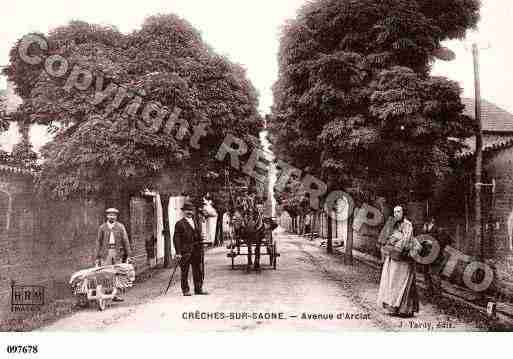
(111, 210)
(188, 206)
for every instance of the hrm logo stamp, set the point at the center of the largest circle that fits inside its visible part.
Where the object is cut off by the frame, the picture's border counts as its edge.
(27, 298)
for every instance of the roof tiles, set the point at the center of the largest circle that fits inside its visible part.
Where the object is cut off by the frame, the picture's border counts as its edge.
(494, 118)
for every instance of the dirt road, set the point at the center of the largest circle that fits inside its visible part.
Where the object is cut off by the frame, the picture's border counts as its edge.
(309, 291)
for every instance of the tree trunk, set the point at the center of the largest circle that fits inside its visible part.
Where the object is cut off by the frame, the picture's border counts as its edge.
(167, 237)
(348, 255)
(329, 245)
(219, 229)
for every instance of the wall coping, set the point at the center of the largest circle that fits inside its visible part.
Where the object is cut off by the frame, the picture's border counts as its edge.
(15, 170)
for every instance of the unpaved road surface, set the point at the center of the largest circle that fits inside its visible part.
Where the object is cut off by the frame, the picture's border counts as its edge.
(307, 287)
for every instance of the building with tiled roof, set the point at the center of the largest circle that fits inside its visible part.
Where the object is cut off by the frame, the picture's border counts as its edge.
(455, 206)
(494, 118)
(497, 125)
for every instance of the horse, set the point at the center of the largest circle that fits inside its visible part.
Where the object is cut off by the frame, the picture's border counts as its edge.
(249, 228)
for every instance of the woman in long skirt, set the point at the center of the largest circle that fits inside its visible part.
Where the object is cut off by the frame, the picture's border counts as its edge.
(397, 290)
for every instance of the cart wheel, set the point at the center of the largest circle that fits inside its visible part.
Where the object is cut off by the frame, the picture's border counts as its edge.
(275, 258)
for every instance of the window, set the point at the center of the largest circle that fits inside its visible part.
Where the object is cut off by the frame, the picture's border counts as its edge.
(5, 209)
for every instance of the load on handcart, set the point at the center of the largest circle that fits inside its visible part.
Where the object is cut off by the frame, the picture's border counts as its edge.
(102, 284)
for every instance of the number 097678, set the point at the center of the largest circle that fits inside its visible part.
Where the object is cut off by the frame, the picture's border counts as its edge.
(22, 349)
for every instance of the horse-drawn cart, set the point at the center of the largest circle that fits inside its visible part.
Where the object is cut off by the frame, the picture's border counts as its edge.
(250, 231)
(239, 245)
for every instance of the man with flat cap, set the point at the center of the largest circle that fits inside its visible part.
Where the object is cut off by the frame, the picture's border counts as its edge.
(112, 245)
(189, 248)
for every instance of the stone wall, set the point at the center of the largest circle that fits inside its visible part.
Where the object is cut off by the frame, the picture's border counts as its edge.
(498, 214)
(46, 241)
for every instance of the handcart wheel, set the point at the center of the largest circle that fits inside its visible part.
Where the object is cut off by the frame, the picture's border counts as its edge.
(102, 304)
(82, 302)
(100, 300)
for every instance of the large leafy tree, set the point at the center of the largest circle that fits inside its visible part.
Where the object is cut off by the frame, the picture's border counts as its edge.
(103, 151)
(355, 103)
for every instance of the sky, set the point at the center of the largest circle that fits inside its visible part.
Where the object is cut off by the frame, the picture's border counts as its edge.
(247, 32)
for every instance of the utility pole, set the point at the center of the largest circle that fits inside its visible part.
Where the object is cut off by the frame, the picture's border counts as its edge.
(478, 220)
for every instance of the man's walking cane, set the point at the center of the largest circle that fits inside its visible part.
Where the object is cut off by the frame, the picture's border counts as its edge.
(172, 275)
(174, 271)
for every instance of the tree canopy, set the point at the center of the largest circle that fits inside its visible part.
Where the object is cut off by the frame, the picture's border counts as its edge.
(99, 148)
(355, 103)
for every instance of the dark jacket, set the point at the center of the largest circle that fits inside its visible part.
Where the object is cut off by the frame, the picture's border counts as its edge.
(440, 235)
(186, 238)
(271, 224)
(120, 236)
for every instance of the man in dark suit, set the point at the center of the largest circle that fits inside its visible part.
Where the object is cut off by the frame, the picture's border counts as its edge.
(189, 249)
